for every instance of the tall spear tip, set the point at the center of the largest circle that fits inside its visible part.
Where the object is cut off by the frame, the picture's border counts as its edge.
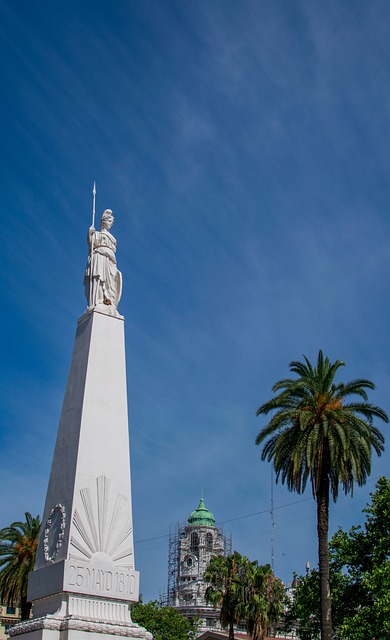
(93, 202)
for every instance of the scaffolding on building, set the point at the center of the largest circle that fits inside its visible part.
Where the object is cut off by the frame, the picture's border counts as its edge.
(173, 562)
(170, 598)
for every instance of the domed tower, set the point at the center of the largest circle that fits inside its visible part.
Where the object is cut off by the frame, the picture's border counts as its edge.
(194, 546)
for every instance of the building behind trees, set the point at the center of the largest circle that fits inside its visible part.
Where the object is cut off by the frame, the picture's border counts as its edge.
(191, 547)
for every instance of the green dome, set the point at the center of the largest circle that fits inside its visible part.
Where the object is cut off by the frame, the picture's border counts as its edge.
(202, 517)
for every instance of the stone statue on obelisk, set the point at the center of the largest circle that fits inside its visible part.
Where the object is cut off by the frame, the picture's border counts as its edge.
(103, 281)
(84, 576)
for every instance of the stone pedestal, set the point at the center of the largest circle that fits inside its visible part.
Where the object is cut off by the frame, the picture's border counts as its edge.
(84, 576)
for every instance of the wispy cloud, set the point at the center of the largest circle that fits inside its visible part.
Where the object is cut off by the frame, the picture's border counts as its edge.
(243, 149)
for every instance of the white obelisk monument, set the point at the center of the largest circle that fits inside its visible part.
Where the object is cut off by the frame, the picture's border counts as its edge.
(84, 576)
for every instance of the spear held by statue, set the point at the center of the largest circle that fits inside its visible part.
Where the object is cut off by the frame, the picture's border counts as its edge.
(92, 239)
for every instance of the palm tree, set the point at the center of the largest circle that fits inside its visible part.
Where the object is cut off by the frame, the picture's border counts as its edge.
(18, 547)
(264, 600)
(317, 431)
(223, 575)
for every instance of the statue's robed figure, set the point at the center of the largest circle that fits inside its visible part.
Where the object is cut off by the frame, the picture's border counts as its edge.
(102, 280)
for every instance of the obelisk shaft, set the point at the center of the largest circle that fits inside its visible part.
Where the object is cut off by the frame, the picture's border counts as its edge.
(87, 518)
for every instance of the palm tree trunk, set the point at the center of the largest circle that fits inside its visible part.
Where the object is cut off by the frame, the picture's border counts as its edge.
(322, 498)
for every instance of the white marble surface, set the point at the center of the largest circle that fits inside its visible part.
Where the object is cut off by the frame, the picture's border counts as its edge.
(84, 576)
(102, 279)
(87, 516)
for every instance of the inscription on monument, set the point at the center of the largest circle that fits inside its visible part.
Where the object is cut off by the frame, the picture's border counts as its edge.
(101, 580)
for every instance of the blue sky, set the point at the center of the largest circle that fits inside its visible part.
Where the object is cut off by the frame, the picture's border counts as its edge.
(244, 149)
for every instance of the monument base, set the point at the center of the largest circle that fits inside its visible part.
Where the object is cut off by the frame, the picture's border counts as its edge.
(78, 617)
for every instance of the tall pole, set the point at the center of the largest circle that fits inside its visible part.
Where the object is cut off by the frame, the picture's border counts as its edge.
(91, 251)
(93, 202)
(272, 521)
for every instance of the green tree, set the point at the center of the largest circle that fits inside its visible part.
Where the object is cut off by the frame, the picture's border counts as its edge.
(225, 578)
(304, 612)
(18, 547)
(248, 593)
(318, 432)
(264, 598)
(363, 555)
(165, 623)
(359, 578)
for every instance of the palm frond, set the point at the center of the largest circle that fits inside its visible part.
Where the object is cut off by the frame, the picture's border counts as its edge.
(18, 544)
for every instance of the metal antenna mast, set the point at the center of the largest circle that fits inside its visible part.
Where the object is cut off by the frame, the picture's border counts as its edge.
(272, 521)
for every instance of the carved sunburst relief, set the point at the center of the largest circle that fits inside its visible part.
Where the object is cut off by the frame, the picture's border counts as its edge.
(102, 528)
